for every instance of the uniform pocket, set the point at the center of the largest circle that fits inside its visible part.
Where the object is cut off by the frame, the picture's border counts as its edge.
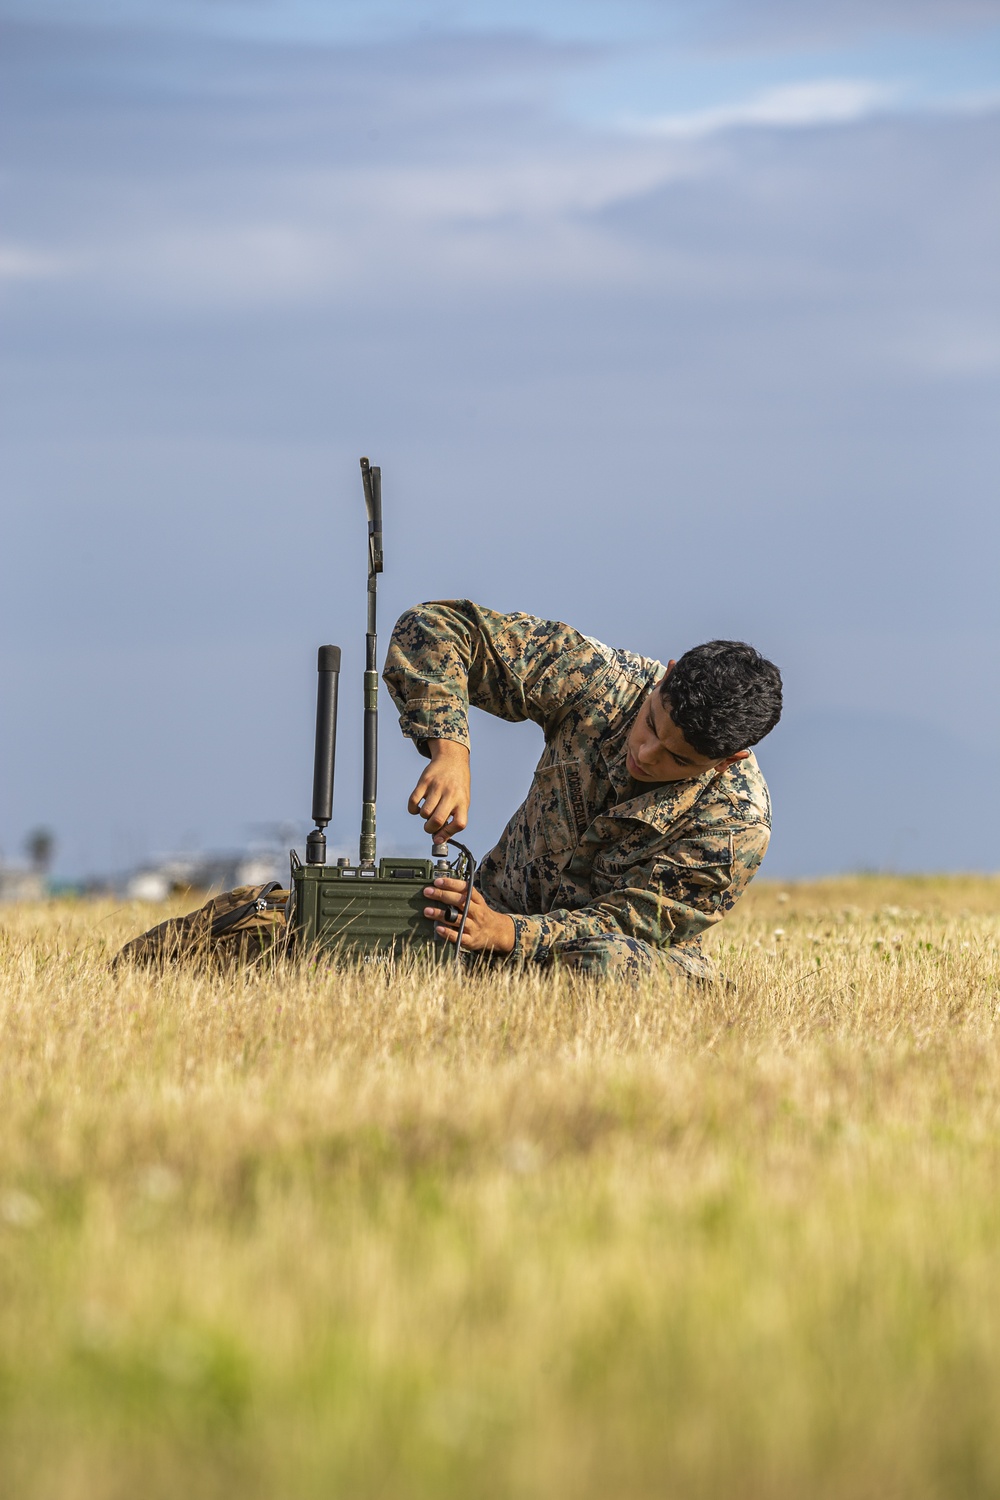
(704, 863)
(550, 809)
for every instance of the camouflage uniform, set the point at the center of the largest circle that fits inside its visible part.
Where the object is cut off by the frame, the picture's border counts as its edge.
(598, 871)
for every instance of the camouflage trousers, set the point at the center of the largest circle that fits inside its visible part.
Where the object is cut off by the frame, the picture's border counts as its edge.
(630, 959)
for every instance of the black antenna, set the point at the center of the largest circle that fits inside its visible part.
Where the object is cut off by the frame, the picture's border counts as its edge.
(328, 667)
(372, 479)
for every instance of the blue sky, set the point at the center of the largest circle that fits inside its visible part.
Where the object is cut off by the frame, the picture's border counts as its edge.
(672, 320)
(630, 55)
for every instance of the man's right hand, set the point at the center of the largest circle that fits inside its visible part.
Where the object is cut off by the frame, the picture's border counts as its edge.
(442, 794)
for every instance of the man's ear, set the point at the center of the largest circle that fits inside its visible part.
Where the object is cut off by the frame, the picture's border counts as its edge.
(658, 684)
(731, 760)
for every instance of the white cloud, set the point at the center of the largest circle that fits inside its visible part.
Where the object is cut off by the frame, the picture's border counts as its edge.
(228, 263)
(527, 221)
(549, 185)
(794, 106)
(18, 263)
(390, 254)
(950, 347)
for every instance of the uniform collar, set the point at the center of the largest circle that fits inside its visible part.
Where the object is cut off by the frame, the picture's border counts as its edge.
(661, 805)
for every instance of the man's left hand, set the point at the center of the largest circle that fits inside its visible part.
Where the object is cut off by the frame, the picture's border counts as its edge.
(486, 930)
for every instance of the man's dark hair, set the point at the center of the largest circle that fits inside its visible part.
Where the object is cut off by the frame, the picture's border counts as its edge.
(723, 697)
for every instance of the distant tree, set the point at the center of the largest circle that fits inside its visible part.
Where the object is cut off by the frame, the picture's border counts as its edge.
(40, 846)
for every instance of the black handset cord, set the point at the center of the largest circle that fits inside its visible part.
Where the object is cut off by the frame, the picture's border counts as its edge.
(469, 872)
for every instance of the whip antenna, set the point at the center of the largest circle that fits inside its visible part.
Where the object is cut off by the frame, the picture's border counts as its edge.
(328, 668)
(368, 911)
(372, 480)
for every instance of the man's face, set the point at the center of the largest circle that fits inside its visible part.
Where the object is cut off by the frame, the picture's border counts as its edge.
(656, 750)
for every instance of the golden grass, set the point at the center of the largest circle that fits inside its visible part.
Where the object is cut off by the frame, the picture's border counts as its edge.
(316, 1234)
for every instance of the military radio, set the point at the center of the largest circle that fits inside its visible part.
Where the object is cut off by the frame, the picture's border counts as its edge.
(374, 909)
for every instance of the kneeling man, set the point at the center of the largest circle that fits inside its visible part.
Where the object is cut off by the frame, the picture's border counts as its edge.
(647, 816)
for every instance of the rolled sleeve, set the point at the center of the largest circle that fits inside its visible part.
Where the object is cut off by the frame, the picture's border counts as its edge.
(450, 653)
(434, 714)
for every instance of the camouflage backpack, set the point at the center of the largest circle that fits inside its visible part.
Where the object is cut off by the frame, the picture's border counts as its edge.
(240, 927)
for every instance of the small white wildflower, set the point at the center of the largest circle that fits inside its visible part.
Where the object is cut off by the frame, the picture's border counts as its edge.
(19, 1210)
(159, 1184)
(523, 1156)
(783, 896)
(778, 932)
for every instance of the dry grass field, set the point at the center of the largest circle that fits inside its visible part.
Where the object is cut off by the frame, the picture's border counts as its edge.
(319, 1234)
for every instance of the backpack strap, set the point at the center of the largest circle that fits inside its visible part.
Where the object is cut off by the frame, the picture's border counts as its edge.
(231, 918)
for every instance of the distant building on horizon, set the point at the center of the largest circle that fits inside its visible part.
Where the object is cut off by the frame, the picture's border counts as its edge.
(158, 879)
(22, 883)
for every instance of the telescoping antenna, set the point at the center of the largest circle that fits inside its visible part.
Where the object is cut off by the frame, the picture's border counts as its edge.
(328, 668)
(372, 479)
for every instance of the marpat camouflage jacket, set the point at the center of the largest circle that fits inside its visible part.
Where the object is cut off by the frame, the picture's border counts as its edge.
(589, 851)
